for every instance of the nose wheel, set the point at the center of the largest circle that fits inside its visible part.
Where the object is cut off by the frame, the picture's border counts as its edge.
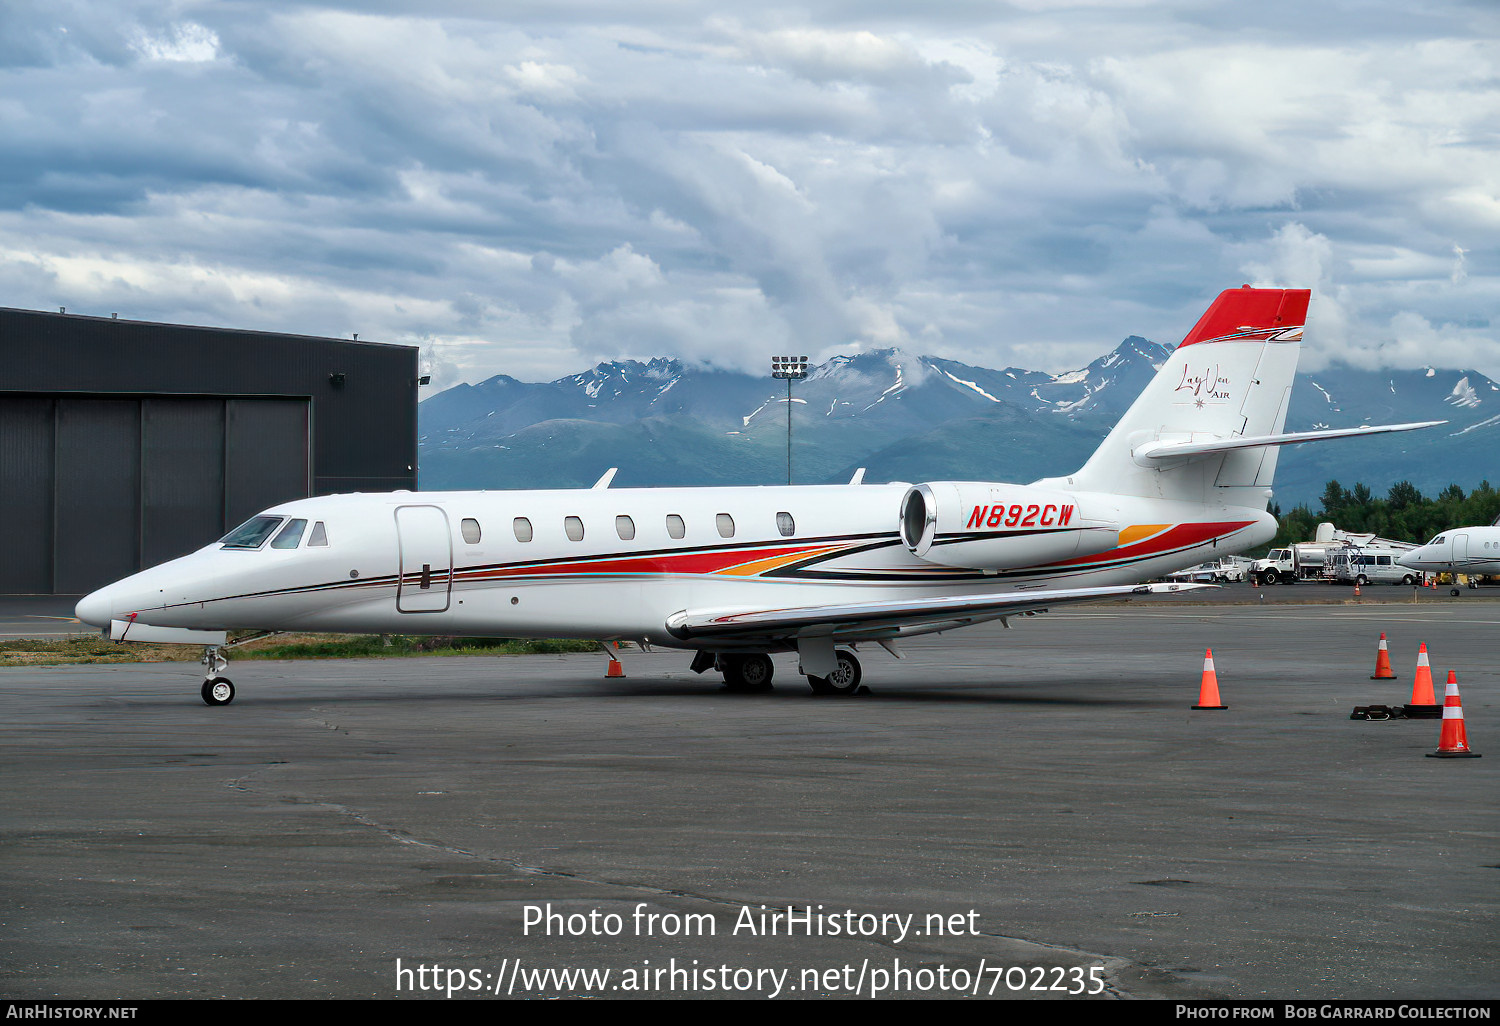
(217, 689)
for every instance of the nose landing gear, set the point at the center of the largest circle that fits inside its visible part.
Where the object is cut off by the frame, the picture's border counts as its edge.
(217, 689)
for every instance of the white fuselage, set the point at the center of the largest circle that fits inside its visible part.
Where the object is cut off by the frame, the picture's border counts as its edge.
(455, 563)
(1465, 550)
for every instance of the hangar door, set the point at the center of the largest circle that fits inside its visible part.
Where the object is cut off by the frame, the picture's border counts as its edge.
(94, 489)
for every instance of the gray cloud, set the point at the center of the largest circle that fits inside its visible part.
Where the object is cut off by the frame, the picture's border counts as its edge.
(526, 194)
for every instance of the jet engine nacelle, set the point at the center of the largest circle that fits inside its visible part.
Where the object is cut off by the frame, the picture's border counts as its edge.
(1002, 527)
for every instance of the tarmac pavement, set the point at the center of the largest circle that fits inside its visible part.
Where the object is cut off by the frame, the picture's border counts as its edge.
(1041, 802)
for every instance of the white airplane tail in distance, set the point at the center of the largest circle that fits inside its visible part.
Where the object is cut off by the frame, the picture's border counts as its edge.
(735, 575)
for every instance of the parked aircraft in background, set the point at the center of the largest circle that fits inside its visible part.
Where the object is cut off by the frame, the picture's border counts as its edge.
(1474, 551)
(736, 574)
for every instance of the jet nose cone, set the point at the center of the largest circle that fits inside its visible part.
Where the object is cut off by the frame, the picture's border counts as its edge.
(96, 608)
(1417, 559)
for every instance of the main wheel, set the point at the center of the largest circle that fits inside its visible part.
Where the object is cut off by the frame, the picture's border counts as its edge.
(748, 672)
(218, 691)
(842, 681)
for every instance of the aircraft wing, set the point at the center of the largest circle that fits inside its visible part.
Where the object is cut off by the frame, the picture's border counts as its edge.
(889, 619)
(1177, 450)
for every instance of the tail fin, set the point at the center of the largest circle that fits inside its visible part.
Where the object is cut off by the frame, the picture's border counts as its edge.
(1230, 378)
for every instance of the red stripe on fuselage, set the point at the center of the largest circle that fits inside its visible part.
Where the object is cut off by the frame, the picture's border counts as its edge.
(658, 563)
(1180, 537)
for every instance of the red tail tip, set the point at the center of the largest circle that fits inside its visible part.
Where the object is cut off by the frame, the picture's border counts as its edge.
(1250, 313)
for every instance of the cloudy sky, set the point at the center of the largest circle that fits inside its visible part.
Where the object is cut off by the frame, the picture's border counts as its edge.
(528, 187)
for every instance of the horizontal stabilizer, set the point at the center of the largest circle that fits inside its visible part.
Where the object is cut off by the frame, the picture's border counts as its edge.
(1177, 450)
(874, 620)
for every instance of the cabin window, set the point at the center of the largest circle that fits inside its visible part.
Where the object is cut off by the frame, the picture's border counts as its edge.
(319, 535)
(290, 536)
(470, 529)
(252, 534)
(725, 524)
(522, 527)
(1382, 560)
(574, 527)
(786, 525)
(624, 527)
(675, 527)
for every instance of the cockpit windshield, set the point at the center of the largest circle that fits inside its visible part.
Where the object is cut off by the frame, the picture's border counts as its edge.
(1438, 540)
(252, 534)
(290, 536)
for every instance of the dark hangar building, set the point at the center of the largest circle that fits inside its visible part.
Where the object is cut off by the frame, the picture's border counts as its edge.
(125, 443)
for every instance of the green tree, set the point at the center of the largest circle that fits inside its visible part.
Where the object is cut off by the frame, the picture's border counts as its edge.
(1405, 514)
(1404, 494)
(1335, 501)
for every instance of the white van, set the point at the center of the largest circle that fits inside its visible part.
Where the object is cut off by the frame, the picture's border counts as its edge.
(1370, 564)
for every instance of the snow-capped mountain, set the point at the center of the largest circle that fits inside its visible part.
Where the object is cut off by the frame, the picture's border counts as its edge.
(906, 416)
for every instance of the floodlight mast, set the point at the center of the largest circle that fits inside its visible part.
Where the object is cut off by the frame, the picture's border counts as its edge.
(792, 368)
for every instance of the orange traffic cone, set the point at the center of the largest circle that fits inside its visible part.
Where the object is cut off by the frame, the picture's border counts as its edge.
(1453, 743)
(1383, 669)
(615, 668)
(1208, 691)
(1423, 704)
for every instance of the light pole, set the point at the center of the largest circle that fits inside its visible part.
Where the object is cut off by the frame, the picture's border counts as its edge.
(792, 368)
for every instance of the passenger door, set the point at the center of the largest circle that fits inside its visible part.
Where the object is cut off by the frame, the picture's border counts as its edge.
(426, 543)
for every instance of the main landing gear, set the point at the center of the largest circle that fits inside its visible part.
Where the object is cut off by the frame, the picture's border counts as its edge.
(217, 688)
(749, 672)
(842, 681)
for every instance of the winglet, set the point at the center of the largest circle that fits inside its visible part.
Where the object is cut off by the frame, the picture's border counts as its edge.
(859, 477)
(603, 482)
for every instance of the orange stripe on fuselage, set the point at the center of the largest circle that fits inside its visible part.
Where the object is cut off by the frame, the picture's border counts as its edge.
(1136, 532)
(761, 566)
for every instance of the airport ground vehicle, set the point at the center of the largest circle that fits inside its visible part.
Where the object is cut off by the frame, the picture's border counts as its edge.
(1301, 561)
(1226, 570)
(1371, 564)
(1314, 560)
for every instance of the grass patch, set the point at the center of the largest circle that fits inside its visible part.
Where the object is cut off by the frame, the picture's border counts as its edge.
(90, 648)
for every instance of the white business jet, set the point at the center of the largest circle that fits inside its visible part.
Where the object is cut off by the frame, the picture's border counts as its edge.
(736, 574)
(1474, 551)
